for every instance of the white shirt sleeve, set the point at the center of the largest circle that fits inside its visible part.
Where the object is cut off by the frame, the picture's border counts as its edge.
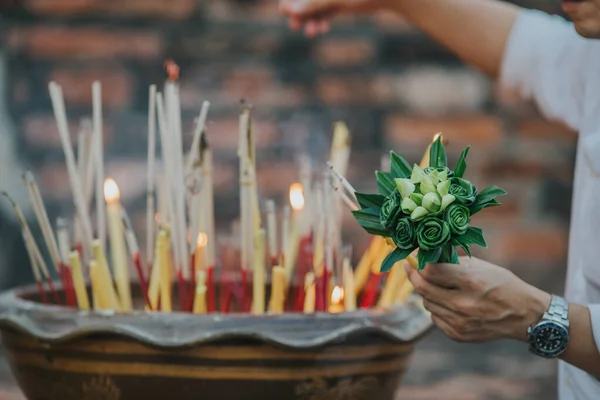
(547, 61)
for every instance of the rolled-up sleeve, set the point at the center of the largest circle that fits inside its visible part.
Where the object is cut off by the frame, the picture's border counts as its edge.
(548, 62)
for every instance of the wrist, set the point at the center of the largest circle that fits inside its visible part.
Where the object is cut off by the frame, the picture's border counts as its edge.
(536, 303)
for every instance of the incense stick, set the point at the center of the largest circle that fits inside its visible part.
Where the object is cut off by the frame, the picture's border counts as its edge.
(63, 129)
(99, 156)
(150, 225)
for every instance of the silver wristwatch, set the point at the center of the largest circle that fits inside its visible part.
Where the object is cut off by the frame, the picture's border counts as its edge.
(549, 338)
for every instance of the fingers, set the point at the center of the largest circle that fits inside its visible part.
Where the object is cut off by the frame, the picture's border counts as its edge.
(450, 276)
(428, 290)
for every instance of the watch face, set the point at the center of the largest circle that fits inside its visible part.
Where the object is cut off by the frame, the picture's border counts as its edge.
(549, 338)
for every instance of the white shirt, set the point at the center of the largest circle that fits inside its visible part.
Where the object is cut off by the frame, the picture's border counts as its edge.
(547, 61)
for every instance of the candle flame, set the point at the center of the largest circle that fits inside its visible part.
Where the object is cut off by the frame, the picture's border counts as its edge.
(337, 295)
(111, 191)
(202, 240)
(297, 196)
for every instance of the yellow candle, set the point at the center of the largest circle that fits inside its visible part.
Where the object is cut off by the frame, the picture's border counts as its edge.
(200, 255)
(337, 300)
(200, 300)
(118, 248)
(392, 285)
(349, 291)
(297, 224)
(361, 274)
(78, 281)
(165, 276)
(101, 301)
(258, 276)
(105, 277)
(154, 286)
(310, 295)
(200, 295)
(406, 288)
(277, 290)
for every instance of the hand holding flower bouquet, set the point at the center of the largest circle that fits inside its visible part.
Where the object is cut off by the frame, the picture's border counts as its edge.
(428, 209)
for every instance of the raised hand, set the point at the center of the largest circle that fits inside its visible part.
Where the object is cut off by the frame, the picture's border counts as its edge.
(313, 16)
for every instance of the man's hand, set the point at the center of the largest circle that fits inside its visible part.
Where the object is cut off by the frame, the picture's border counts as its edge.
(313, 16)
(476, 301)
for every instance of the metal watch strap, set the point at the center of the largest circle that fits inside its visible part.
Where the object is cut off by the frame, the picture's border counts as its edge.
(558, 310)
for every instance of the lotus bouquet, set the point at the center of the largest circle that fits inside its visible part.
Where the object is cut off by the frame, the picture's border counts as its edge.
(428, 209)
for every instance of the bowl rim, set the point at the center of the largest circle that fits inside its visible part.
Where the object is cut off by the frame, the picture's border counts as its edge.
(56, 323)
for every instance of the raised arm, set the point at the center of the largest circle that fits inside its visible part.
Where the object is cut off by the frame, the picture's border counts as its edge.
(476, 30)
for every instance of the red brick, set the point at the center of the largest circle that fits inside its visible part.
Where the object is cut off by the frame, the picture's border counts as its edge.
(275, 178)
(344, 91)
(40, 130)
(54, 181)
(222, 134)
(77, 85)
(161, 9)
(516, 169)
(344, 52)
(86, 43)
(474, 129)
(540, 129)
(542, 244)
(248, 82)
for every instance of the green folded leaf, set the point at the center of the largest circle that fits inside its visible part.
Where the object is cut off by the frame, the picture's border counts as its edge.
(437, 154)
(464, 246)
(454, 259)
(393, 258)
(461, 164)
(369, 219)
(399, 168)
(367, 200)
(385, 183)
(475, 208)
(488, 194)
(447, 253)
(428, 256)
(473, 236)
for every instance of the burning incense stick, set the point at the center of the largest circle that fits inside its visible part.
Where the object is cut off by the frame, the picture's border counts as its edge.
(78, 281)
(171, 196)
(150, 188)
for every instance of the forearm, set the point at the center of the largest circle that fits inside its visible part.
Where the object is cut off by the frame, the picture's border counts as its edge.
(582, 351)
(476, 30)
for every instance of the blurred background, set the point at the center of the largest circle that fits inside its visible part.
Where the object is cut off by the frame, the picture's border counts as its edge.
(392, 86)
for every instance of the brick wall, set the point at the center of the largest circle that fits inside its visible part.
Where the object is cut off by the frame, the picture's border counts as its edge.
(393, 87)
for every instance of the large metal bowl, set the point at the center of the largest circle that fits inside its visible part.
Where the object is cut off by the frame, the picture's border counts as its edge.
(57, 353)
